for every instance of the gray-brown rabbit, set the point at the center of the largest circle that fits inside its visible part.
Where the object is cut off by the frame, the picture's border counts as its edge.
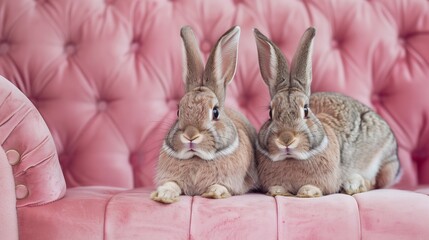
(322, 143)
(209, 150)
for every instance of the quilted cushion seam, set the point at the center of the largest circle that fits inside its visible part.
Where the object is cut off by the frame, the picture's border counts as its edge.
(359, 217)
(105, 213)
(190, 218)
(277, 216)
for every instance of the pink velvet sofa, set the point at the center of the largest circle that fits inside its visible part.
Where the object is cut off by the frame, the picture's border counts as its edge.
(92, 87)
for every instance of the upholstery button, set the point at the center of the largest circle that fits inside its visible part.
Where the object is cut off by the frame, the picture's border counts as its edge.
(173, 102)
(376, 98)
(13, 157)
(102, 105)
(21, 191)
(4, 48)
(244, 101)
(205, 46)
(278, 42)
(70, 48)
(135, 46)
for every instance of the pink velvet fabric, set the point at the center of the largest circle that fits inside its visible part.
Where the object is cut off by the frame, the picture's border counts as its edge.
(106, 77)
(38, 172)
(112, 213)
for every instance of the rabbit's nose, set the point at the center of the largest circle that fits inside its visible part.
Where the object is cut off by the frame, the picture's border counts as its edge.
(287, 138)
(191, 133)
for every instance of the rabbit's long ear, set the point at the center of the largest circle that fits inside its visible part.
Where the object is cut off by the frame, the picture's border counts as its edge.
(222, 63)
(301, 63)
(192, 63)
(272, 63)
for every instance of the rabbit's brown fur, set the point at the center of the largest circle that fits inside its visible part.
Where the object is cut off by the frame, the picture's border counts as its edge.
(202, 154)
(318, 143)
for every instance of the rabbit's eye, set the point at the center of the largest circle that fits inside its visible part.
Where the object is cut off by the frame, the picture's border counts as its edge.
(306, 111)
(215, 113)
(177, 112)
(271, 113)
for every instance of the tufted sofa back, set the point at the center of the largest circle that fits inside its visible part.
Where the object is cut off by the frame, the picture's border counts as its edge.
(106, 75)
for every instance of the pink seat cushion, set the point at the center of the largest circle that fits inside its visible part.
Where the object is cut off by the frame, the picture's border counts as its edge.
(111, 213)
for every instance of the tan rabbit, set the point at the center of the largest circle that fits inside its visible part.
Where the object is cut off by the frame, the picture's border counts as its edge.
(322, 143)
(209, 150)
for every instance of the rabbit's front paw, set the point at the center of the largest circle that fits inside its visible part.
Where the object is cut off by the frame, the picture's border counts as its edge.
(278, 191)
(309, 191)
(354, 184)
(169, 192)
(216, 191)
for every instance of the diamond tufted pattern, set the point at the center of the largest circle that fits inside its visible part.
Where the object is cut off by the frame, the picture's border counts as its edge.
(106, 75)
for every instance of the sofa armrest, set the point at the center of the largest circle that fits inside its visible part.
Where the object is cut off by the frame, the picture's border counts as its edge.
(29, 149)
